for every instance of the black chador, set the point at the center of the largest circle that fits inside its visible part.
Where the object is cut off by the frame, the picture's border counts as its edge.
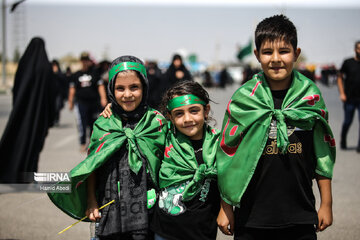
(31, 116)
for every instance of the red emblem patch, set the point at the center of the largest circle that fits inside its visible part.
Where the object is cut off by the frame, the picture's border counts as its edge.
(228, 150)
(330, 140)
(167, 150)
(312, 99)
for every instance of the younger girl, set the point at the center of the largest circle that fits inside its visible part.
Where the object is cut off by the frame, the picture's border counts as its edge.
(189, 200)
(123, 161)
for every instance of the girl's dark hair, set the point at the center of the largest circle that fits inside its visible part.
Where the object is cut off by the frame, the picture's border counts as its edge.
(184, 88)
(273, 28)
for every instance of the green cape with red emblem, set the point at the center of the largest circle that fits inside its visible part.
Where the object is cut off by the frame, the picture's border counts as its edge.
(180, 164)
(146, 140)
(246, 127)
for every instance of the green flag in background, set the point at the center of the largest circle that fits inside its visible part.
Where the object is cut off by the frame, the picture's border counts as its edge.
(244, 51)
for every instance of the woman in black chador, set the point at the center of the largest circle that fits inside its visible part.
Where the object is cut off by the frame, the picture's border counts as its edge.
(31, 116)
(176, 72)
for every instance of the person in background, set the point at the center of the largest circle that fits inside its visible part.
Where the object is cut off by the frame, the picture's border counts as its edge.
(62, 87)
(208, 79)
(176, 72)
(32, 114)
(87, 95)
(349, 88)
(156, 84)
(103, 71)
(224, 77)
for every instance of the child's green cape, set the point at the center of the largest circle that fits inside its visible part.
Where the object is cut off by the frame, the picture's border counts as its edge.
(147, 139)
(246, 127)
(180, 164)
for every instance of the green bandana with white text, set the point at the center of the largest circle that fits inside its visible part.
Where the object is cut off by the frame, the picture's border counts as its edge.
(246, 126)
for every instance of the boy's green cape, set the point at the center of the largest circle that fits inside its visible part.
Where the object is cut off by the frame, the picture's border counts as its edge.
(246, 127)
(180, 164)
(147, 139)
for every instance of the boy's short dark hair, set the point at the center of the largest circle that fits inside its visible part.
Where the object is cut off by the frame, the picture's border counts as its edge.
(276, 27)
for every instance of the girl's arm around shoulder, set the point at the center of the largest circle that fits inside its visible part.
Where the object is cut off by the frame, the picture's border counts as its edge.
(106, 113)
(325, 211)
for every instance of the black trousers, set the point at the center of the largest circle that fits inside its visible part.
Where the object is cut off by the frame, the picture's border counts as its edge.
(298, 232)
(86, 114)
(130, 236)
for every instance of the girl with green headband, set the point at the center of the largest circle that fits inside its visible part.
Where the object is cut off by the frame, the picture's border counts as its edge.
(189, 200)
(123, 161)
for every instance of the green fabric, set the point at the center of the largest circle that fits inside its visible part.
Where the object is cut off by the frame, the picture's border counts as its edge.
(245, 51)
(126, 66)
(183, 101)
(147, 138)
(180, 165)
(246, 126)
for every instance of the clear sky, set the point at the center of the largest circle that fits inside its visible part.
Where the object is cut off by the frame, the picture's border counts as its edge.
(327, 29)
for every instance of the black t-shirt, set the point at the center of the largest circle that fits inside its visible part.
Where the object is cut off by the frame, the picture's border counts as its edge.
(86, 86)
(280, 191)
(351, 69)
(198, 219)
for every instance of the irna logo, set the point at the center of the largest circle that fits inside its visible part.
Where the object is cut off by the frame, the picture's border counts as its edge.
(52, 177)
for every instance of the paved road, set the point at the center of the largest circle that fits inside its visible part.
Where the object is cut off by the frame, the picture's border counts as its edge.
(27, 215)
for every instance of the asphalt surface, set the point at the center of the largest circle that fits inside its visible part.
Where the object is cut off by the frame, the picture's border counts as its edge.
(29, 215)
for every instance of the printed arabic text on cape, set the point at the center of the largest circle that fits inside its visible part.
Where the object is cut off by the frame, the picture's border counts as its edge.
(246, 126)
(147, 140)
(180, 164)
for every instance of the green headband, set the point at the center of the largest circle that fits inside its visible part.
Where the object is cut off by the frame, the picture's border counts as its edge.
(126, 66)
(183, 101)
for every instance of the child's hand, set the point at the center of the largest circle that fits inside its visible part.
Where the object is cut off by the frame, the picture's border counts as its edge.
(93, 213)
(106, 113)
(226, 218)
(325, 212)
(325, 218)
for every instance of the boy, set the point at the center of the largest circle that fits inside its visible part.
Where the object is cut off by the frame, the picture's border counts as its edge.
(275, 140)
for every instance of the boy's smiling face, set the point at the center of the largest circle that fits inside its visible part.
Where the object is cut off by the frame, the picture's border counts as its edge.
(277, 60)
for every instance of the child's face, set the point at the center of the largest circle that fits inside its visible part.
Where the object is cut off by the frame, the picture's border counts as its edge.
(190, 119)
(128, 90)
(277, 60)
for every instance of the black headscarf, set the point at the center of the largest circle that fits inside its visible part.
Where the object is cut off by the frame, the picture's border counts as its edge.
(116, 108)
(32, 114)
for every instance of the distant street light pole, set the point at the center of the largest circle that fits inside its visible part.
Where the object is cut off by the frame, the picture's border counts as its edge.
(3, 54)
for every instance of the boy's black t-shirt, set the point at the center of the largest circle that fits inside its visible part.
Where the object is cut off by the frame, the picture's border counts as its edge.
(199, 219)
(86, 84)
(280, 192)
